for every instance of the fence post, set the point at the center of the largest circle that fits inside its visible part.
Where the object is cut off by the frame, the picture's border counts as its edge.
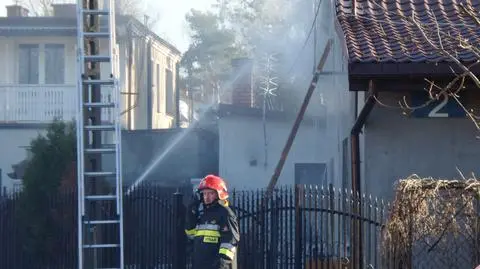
(298, 227)
(179, 250)
(1, 184)
(274, 232)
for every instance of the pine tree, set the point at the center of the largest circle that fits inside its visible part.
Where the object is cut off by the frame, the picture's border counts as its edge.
(43, 208)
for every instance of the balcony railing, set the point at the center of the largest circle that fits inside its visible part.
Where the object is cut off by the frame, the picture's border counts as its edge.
(40, 103)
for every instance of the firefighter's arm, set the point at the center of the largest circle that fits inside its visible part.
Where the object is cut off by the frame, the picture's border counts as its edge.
(191, 219)
(229, 237)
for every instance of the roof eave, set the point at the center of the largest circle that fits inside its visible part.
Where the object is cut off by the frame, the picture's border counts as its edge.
(363, 70)
(140, 28)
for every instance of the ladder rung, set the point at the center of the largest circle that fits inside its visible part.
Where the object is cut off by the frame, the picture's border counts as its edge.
(102, 246)
(101, 150)
(96, 58)
(99, 104)
(93, 222)
(99, 174)
(109, 145)
(95, 12)
(98, 81)
(101, 197)
(99, 127)
(96, 34)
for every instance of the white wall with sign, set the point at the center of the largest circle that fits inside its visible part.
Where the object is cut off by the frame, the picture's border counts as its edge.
(442, 106)
(433, 142)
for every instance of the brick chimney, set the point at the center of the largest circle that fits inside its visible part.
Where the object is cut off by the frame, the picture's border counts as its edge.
(65, 10)
(242, 88)
(16, 11)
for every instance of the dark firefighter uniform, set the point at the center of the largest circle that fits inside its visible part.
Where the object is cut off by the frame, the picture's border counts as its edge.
(215, 236)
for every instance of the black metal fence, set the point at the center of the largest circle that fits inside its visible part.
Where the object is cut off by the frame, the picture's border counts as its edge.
(297, 227)
(309, 227)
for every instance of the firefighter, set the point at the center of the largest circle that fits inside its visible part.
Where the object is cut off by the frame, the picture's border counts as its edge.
(213, 230)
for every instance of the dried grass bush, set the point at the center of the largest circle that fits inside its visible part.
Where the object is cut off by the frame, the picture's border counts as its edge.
(432, 219)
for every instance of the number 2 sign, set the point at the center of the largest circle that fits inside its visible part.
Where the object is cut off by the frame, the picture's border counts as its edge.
(443, 107)
(434, 113)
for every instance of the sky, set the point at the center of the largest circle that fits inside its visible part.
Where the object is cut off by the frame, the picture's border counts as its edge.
(171, 23)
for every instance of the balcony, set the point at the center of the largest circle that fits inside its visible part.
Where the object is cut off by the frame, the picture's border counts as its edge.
(29, 104)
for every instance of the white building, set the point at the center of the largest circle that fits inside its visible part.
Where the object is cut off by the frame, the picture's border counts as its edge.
(248, 161)
(38, 77)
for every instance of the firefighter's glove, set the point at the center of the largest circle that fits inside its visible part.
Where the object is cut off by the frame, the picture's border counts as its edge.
(225, 263)
(222, 264)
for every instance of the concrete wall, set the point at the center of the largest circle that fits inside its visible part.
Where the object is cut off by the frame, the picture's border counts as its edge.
(242, 151)
(397, 146)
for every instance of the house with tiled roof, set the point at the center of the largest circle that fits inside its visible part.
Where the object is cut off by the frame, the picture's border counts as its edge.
(395, 50)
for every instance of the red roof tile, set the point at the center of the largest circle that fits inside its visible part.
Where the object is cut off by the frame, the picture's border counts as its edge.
(373, 35)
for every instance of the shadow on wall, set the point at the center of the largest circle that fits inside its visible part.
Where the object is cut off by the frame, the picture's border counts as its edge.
(194, 157)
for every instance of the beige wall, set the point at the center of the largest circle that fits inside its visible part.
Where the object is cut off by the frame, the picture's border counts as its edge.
(162, 58)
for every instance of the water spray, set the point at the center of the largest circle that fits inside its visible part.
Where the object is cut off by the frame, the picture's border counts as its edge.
(181, 136)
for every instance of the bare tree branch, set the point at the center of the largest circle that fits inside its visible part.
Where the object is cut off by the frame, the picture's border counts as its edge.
(446, 44)
(37, 7)
(446, 53)
(470, 13)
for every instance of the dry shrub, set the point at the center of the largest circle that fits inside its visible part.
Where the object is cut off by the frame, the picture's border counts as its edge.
(432, 219)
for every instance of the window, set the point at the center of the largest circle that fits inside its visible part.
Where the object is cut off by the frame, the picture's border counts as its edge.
(311, 173)
(169, 102)
(28, 63)
(54, 63)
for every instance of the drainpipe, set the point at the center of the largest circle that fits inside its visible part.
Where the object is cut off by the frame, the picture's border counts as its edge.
(355, 135)
(357, 235)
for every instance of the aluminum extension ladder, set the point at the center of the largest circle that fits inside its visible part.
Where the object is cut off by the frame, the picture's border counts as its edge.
(100, 213)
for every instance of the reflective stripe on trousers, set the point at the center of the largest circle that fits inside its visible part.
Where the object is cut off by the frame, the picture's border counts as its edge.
(228, 250)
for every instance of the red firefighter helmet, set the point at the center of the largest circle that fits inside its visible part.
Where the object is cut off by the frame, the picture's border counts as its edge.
(214, 183)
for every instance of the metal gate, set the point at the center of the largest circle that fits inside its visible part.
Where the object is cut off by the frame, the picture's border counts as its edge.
(308, 227)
